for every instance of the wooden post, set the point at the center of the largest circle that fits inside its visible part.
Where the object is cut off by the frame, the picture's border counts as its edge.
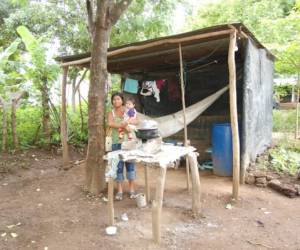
(297, 109)
(111, 213)
(147, 186)
(184, 118)
(63, 125)
(234, 115)
(157, 205)
(196, 189)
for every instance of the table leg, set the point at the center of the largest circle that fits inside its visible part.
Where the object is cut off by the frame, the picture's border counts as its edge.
(146, 171)
(157, 205)
(187, 168)
(110, 202)
(196, 189)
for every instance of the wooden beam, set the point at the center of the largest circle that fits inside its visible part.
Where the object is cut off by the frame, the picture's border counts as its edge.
(297, 114)
(147, 186)
(196, 193)
(234, 115)
(157, 205)
(111, 213)
(63, 126)
(184, 117)
(152, 44)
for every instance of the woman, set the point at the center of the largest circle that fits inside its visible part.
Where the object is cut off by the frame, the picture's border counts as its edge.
(116, 121)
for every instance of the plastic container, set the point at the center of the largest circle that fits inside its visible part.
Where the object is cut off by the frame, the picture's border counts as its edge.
(141, 200)
(222, 149)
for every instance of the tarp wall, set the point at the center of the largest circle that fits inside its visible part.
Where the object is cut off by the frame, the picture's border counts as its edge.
(257, 108)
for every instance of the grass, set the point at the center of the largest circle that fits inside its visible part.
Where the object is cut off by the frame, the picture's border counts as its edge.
(284, 121)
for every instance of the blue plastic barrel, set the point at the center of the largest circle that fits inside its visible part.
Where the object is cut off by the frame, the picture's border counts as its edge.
(222, 149)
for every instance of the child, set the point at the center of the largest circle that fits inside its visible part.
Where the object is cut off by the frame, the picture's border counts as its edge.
(129, 117)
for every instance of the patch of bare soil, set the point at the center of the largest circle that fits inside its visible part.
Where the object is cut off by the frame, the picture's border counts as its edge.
(43, 207)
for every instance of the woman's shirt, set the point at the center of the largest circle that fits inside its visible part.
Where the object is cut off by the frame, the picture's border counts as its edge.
(115, 131)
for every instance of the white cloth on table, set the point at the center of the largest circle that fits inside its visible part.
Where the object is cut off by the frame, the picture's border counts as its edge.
(164, 158)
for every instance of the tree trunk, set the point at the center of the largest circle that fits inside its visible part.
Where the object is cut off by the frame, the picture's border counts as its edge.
(63, 119)
(14, 124)
(46, 112)
(4, 129)
(95, 167)
(297, 108)
(107, 14)
(74, 94)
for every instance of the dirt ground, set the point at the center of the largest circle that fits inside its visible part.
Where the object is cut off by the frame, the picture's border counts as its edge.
(50, 211)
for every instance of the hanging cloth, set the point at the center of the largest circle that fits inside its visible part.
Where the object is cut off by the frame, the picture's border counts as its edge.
(131, 86)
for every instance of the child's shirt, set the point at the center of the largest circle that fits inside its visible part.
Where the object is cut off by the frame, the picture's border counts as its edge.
(130, 113)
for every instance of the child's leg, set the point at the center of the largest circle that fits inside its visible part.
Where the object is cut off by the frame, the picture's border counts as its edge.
(130, 175)
(120, 180)
(121, 133)
(129, 134)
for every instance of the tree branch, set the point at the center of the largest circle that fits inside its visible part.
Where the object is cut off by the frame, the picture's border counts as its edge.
(118, 10)
(16, 97)
(90, 15)
(81, 79)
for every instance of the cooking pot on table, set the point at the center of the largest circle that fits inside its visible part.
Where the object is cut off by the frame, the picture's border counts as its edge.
(147, 129)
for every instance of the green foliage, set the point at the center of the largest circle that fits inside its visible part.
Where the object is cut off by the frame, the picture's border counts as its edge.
(42, 70)
(6, 65)
(77, 136)
(282, 90)
(285, 160)
(33, 46)
(144, 20)
(289, 59)
(284, 121)
(275, 23)
(261, 17)
(27, 126)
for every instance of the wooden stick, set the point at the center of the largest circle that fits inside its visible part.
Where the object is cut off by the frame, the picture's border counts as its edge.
(184, 118)
(234, 115)
(146, 171)
(152, 44)
(157, 205)
(297, 114)
(196, 203)
(63, 120)
(110, 203)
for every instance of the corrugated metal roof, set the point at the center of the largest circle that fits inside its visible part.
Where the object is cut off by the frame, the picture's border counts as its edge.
(166, 52)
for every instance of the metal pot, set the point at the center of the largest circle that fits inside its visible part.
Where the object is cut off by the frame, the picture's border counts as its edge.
(146, 134)
(147, 129)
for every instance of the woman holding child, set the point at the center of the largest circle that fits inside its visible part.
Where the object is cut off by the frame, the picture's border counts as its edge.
(121, 131)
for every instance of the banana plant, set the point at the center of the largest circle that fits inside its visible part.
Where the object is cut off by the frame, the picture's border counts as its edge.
(41, 72)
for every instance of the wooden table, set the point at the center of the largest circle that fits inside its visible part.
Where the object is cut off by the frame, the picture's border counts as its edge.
(162, 160)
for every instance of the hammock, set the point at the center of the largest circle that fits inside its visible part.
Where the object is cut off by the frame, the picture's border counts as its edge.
(171, 124)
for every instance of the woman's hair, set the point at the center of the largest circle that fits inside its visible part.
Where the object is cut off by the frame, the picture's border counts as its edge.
(117, 94)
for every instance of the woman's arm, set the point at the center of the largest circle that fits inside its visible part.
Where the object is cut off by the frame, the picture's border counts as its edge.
(112, 124)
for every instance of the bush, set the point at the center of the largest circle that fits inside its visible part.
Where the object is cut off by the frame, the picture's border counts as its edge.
(285, 160)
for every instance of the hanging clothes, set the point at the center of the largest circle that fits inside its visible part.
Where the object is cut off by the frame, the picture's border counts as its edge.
(160, 83)
(131, 86)
(174, 92)
(149, 88)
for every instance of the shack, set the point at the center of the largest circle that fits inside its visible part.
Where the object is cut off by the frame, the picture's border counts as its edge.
(209, 59)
